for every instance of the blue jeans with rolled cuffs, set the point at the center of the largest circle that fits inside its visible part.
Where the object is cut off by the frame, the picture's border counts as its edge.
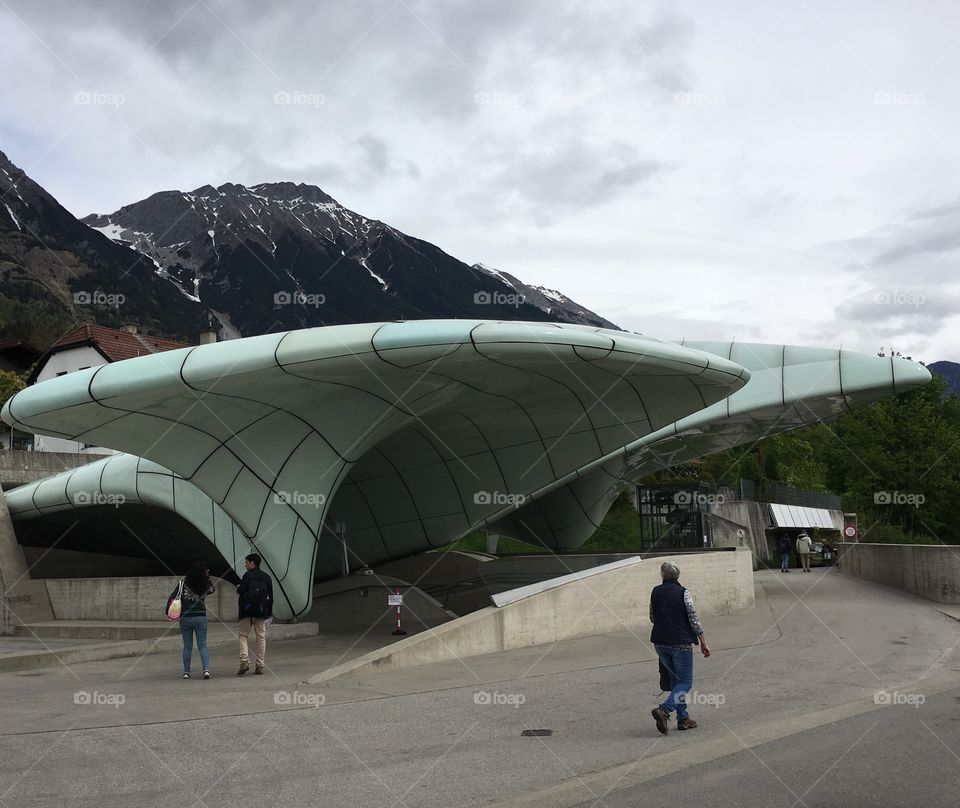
(190, 627)
(679, 664)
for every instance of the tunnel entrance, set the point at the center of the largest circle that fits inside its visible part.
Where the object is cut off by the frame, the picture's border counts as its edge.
(106, 541)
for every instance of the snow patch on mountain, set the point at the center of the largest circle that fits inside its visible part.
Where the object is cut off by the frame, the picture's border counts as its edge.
(553, 294)
(503, 276)
(12, 216)
(227, 329)
(12, 184)
(549, 301)
(374, 275)
(235, 247)
(112, 231)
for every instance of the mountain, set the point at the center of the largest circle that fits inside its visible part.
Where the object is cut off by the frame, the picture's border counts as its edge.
(949, 372)
(56, 272)
(265, 258)
(549, 300)
(282, 255)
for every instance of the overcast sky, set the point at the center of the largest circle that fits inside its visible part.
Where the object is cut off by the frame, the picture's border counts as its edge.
(774, 171)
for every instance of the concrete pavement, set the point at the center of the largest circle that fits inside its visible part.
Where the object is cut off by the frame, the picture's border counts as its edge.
(801, 671)
(897, 756)
(42, 645)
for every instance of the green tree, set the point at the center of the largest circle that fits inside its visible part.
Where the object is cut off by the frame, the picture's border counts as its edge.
(10, 383)
(794, 458)
(896, 464)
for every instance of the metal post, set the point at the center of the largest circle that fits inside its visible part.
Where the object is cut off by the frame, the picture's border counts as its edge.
(398, 631)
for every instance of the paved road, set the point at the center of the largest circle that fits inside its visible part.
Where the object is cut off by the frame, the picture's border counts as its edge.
(797, 676)
(901, 756)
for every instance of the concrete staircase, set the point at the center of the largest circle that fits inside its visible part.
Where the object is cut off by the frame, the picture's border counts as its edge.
(107, 630)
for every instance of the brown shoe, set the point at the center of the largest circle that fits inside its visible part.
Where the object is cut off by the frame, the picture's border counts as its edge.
(258, 670)
(687, 723)
(244, 667)
(661, 718)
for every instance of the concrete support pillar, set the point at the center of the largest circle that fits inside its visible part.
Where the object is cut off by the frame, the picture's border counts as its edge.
(24, 600)
(492, 539)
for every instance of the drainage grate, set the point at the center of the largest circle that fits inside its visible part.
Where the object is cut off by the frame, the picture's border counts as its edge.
(537, 733)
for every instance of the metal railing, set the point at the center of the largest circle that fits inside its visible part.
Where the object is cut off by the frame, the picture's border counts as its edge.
(787, 495)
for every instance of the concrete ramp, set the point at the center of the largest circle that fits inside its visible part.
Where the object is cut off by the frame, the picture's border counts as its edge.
(605, 599)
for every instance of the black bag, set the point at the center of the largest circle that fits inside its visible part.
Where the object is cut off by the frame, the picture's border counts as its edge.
(665, 684)
(256, 600)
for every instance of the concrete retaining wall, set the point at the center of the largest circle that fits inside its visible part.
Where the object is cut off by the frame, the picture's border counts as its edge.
(18, 467)
(357, 605)
(129, 598)
(47, 562)
(929, 570)
(608, 601)
(753, 518)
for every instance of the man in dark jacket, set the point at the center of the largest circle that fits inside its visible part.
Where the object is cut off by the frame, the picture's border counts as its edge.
(255, 607)
(676, 629)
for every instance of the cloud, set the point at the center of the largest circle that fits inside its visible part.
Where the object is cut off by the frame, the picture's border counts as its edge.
(543, 137)
(910, 270)
(920, 247)
(662, 45)
(901, 311)
(377, 159)
(929, 236)
(574, 176)
(679, 325)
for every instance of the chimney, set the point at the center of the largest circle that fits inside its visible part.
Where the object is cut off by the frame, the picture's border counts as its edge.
(207, 336)
(130, 328)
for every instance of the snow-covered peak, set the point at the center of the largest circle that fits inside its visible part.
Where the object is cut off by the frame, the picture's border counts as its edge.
(234, 247)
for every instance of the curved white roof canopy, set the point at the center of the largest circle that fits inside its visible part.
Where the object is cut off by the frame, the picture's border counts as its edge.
(790, 387)
(414, 434)
(419, 431)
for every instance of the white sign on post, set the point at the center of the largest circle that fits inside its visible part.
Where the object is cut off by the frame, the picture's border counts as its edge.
(394, 600)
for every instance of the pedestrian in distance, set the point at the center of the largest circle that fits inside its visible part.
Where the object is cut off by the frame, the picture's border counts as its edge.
(255, 609)
(676, 629)
(784, 546)
(804, 546)
(194, 588)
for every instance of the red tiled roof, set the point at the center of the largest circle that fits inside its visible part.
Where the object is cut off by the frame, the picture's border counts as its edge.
(114, 343)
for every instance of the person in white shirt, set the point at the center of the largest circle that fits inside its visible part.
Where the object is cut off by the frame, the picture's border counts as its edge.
(804, 546)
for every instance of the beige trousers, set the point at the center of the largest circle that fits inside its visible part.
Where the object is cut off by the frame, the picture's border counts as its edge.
(805, 560)
(259, 626)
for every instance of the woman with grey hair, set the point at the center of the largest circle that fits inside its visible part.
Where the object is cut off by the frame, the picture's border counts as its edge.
(676, 629)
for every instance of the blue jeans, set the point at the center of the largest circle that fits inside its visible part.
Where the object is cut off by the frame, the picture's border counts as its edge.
(679, 664)
(188, 627)
(784, 561)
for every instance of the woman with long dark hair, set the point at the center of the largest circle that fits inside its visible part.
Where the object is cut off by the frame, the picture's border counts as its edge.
(193, 618)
